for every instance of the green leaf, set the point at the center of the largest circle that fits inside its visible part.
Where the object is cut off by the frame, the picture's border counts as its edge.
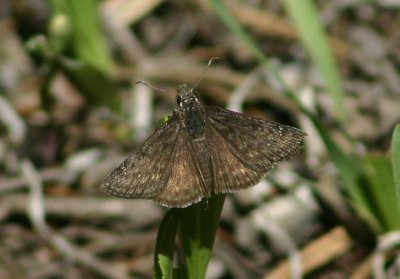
(396, 165)
(198, 226)
(88, 41)
(59, 29)
(75, 25)
(306, 20)
(382, 193)
(164, 254)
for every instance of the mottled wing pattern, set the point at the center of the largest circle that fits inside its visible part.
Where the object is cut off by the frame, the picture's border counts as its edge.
(243, 149)
(145, 173)
(185, 184)
(230, 172)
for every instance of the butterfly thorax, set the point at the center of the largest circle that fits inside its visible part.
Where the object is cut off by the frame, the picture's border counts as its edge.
(192, 110)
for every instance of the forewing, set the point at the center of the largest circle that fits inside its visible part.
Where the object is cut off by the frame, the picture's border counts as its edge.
(145, 172)
(230, 172)
(185, 184)
(243, 149)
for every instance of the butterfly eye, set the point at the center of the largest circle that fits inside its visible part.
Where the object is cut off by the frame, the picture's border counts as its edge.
(178, 100)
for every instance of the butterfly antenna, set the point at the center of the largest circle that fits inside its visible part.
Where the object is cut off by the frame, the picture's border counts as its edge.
(152, 86)
(204, 72)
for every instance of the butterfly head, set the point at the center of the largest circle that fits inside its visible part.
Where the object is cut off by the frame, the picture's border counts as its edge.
(186, 97)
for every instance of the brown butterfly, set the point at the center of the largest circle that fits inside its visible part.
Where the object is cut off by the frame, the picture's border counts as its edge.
(202, 150)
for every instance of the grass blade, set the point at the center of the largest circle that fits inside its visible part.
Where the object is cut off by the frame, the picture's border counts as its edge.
(88, 41)
(350, 171)
(198, 226)
(396, 164)
(305, 19)
(164, 254)
(379, 176)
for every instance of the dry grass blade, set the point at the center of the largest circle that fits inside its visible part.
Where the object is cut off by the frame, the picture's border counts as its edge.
(128, 12)
(316, 254)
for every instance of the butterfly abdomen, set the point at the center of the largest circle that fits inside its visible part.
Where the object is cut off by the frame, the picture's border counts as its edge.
(195, 126)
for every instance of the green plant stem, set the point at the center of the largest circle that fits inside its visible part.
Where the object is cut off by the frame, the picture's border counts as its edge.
(198, 225)
(164, 253)
(396, 164)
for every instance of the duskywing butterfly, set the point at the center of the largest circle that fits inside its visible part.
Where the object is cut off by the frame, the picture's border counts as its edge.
(202, 150)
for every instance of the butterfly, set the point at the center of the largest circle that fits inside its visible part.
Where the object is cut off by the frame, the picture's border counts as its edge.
(202, 150)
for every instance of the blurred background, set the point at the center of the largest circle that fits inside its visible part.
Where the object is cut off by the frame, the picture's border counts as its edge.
(70, 113)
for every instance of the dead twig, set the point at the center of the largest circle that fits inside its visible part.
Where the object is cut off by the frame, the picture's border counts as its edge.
(139, 212)
(48, 174)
